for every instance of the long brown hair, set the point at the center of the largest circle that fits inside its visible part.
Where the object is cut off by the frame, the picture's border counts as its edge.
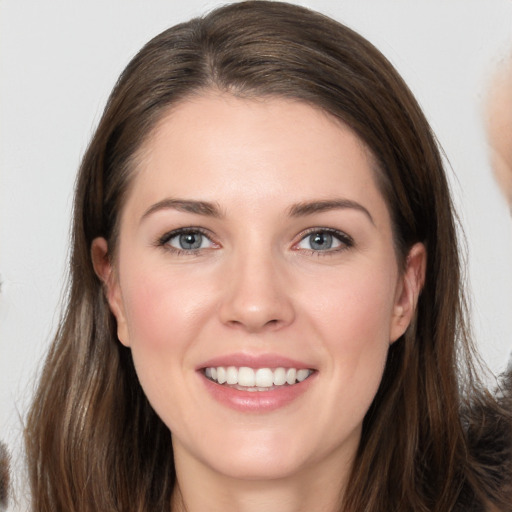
(93, 441)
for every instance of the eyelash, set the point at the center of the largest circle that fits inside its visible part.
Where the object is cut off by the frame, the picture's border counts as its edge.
(163, 241)
(346, 242)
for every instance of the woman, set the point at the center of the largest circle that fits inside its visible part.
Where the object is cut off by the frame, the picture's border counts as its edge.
(499, 126)
(265, 309)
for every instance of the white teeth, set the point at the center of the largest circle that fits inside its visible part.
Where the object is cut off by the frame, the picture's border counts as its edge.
(264, 378)
(279, 376)
(246, 377)
(260, 379)
(221, 375)
(231, 375)
(291, 375)
(302, 374)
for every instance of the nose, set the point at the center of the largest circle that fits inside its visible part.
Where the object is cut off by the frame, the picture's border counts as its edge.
(257, 295)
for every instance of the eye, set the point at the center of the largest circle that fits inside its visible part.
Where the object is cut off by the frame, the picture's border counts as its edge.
(186, 240)
(324, 240)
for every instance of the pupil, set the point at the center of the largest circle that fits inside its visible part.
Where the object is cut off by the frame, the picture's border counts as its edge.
(190, 240)
(321, 241)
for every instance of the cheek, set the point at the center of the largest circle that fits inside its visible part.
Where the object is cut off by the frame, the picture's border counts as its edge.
(355, 309)
(162, 311)
(354, 320)
(165, 315)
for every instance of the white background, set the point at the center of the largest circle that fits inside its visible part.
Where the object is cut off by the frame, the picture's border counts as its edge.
(58, 62)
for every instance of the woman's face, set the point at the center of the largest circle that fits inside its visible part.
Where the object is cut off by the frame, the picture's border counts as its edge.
(256, 247)
(499, 127)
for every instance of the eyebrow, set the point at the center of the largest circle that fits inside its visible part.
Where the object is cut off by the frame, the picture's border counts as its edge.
(309, 208)
(185, 205)
(297, 210)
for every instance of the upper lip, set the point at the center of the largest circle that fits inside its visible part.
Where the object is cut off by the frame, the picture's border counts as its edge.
(254, 361)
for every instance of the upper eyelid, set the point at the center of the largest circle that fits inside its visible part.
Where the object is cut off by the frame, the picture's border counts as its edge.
(345, 237)
(189, 229)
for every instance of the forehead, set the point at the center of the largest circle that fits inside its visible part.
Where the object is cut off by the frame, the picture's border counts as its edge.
(221, 147)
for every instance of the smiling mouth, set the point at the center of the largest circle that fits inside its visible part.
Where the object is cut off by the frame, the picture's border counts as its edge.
(256, 379)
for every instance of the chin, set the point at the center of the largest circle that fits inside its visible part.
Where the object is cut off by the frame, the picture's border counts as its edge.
(259, 467)
(250, 454)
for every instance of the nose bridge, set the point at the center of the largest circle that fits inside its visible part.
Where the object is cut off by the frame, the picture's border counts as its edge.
(256, 296)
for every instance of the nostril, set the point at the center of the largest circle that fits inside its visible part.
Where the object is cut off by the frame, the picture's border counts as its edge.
(255, 306)
(256, 326)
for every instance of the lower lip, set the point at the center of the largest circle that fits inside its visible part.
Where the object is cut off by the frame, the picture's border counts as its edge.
(257, 401)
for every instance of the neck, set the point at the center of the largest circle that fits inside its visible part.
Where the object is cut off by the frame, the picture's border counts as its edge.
(314, 488)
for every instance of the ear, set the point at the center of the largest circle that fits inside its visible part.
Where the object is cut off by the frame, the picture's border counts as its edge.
(408, 290)
(103, 267)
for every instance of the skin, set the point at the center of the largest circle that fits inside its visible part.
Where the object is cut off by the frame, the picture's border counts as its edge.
(257, 287)
(499, 127)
